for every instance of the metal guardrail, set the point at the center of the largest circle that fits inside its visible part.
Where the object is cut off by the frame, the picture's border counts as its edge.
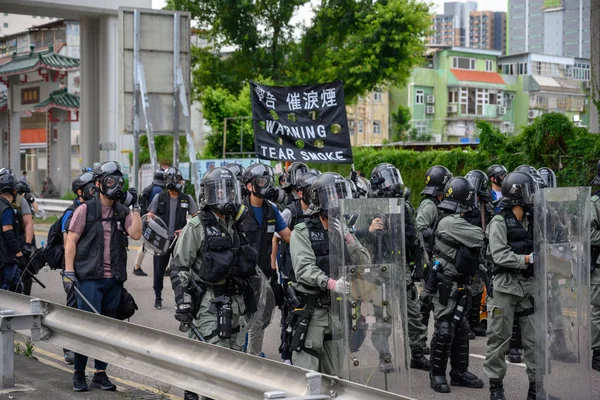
(53, 206)
(184, 363)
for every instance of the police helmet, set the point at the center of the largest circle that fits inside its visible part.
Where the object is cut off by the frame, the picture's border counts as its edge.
(363, 187)
(497, 173)
(294, 171)
(303, 183)
(528, 169)
(548, 176)
(480, 182)
(159, 175)
(327, 190)
(110, 176)
(386, 181)
(221, 191)
(260, 176)
(436, 179)
(518, 189)
(236, 169)
(8, 183)
(173, 178)
(315, 171)
(85, 182)
(23, 187)
(459, 195)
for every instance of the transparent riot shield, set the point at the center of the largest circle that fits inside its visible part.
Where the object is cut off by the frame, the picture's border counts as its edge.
(562, 293)
(372, 314)
(155, 235)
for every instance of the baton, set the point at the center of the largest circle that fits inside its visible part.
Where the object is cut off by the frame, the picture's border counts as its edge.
(81, 294)
(33, 277)
(184, 326)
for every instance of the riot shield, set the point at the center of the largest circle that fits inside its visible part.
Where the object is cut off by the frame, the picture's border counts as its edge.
(373, 323)
(562, 293)
(155, 235)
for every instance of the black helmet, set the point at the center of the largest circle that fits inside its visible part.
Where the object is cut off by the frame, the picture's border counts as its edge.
(23, 187)
(528, 169)
(327, 190)
(548, 176)
(459, 195)
(303, 183)
(386, 181)
(315, 171)
(518, 189)
(110, 176)
(159, 177)
(436, 179)
(173, 178)
(236, 169)
(221, 191)
(85, 182)
(363, 187)
(498, 173)
(262, 180)
(596, 181)
(294, 171)
(5, 171)
(480, 182)
(8, 182)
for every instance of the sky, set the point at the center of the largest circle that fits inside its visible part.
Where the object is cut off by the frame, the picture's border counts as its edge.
(483, 5)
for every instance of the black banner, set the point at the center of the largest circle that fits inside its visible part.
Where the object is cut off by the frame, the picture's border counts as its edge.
(301, 123)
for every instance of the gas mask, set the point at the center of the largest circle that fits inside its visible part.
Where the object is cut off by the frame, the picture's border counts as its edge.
(112, 187)
(89, 191)
(262, 187)
(178, 187)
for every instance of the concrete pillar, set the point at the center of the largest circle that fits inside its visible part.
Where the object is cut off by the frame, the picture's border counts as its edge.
(15, 141)
(90, 101)
(3, 146)
(60, 153)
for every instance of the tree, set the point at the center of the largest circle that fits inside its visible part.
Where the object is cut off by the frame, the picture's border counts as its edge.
(401, 121)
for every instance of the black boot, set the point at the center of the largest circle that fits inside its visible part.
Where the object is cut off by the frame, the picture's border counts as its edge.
(459, 359)
(187, 395)
(596, 360)
(536, 390)
(515, 345)
(440, 351)
(419, 361)
(496, 390)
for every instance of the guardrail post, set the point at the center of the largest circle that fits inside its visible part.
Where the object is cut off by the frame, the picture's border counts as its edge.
(7, 353)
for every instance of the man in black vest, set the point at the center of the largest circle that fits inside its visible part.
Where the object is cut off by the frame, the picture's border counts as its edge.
(96, 255)
(11, 257)
(172, 207)
(259, 227)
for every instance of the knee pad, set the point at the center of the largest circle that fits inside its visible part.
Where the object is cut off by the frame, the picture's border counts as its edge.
(444, 332)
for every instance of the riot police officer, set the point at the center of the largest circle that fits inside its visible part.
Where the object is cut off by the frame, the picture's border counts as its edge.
(595, 280)
(496, 173)
(314, 319)
(211, 265)
(511, 257)
(386, 182)
(11, 256)
(479, 216)
(457, 245)
(548, 176)
(436, 179)
(173, 207)
(288, 181)
(264, 219)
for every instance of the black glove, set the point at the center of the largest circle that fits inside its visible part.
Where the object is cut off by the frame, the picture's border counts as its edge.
(354, 176)
(184, 314)
(277, 291)
(21, 262)
(69, 280)
(130, 198)
(29, 250)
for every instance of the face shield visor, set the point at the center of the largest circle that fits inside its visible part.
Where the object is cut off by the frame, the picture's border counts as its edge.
(222, 196)
(330, 195)
(528, 192)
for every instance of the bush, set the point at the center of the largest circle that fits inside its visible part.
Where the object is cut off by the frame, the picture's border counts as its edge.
(551, 141)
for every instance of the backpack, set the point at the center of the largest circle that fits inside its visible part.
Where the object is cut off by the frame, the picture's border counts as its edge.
(54, 252)
(127, 306)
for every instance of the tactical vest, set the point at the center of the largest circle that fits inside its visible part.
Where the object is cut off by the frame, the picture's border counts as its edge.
(163, 209)
(466, 260)
(286, 257)
(519, 239)
(19, 217)
(319, 241)
(7, 255)
(260, 236)
(89, 256)
(223, 255)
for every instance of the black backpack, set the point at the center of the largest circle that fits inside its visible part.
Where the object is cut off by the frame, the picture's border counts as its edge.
(54, 252)
(145, 199)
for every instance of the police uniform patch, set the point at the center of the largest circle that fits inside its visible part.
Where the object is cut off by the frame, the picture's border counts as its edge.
(317, 236)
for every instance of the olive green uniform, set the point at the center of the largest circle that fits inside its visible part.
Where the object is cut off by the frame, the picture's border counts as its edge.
(512, 295)
(187, 260)
(595, 281)
(312, 280)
